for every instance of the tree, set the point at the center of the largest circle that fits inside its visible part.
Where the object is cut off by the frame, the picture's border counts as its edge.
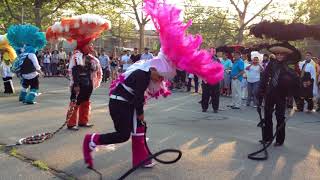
(306, 11)
(38, 12)
(242, 15)
(212, 23)
(134, 10)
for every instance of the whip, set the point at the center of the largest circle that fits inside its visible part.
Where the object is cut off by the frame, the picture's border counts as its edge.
(253, 156)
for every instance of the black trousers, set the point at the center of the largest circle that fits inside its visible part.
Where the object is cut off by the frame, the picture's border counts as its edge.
(32, 83)
(84, 94)
(300, 104)
(277, 103)
(106, 74)
(212, 91)
(122, 115)
(196, 83)
(7, 82)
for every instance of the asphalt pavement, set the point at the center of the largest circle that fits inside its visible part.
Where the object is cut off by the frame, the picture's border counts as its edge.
(214, 146)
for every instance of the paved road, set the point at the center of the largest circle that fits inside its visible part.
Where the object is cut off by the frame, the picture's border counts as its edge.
(214, 146)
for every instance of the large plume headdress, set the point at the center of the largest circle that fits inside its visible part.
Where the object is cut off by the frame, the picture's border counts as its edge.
(285, 32)
(179, 47)
(26, 37)
(83, 29)
(9, 53)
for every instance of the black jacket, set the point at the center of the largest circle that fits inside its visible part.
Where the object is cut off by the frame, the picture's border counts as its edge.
(138, 81)
(288, 81)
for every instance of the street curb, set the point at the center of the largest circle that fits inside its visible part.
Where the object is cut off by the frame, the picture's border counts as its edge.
(40, 165)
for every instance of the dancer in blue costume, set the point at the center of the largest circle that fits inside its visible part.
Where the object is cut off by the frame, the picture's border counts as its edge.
(26, 40)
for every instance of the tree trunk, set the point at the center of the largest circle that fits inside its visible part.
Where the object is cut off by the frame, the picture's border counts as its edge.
(240, 35)
(241, 30)
(37, 15)
(141, 33)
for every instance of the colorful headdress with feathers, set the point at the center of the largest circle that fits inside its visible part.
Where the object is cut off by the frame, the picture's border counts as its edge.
(83, 29)
(26, 38)
(178, 46)
(9, 54)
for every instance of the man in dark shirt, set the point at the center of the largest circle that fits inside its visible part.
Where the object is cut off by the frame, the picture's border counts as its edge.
(213, 91)
(135, 56)
(278, 82)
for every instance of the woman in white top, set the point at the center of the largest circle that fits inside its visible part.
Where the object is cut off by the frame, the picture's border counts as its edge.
(46, 63)
(253, 77)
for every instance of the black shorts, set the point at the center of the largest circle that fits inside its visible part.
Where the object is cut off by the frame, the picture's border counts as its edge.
(32, 83)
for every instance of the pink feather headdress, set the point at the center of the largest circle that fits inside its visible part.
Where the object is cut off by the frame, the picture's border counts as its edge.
(179, 47)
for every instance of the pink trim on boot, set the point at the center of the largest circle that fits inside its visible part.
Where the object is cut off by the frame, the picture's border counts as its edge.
(90, 142)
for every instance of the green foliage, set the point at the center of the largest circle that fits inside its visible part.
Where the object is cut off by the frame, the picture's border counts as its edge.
(14, 152)
(37, 12)
(41, 165)
(306, 11)
(212, 23)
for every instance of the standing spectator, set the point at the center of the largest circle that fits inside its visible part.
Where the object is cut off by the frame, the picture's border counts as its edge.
(54, 62)
(237, 77)
(180, 79)
(225, 85)
(114, 67)
(46, 63)
(307, 68)
(306, 91)
(196, 83)
(317, 61)
(147, 55)
(39, 55)
(253, 77)
(265, 61)
(125, 61)
(62, 56)
(104, 62)
(244, 82)
(213, 91)
(135, 56)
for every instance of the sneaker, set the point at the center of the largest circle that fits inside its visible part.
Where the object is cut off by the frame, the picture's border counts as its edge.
(234, 107)
(255, 106)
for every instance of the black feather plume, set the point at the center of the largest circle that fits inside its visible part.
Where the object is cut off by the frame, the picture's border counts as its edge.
(285, 32)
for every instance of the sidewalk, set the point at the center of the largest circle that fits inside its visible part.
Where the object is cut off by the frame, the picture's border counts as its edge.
(15, 169)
